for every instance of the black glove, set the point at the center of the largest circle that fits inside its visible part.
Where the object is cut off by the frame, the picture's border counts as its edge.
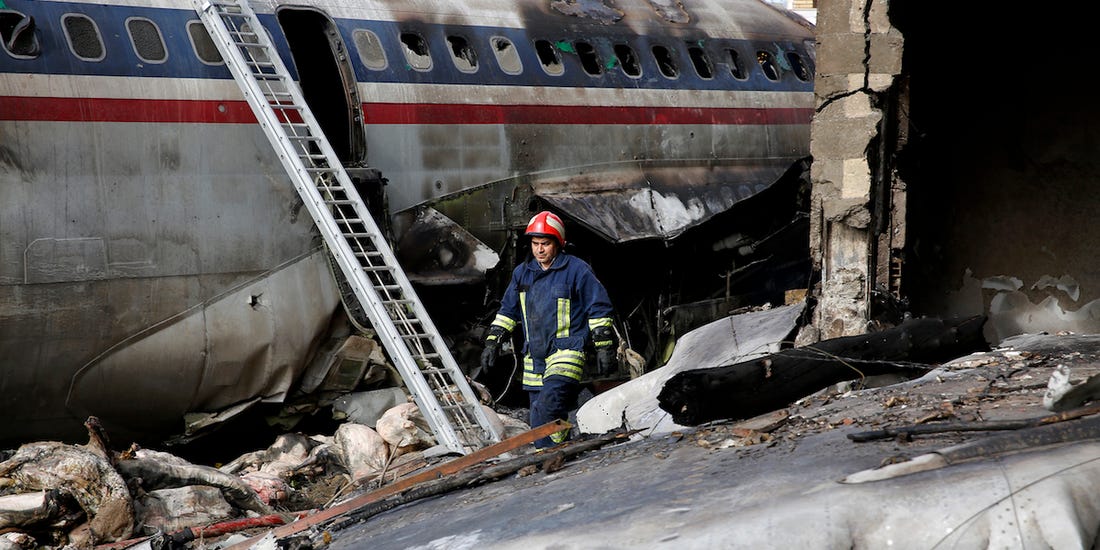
(604, 342)
(492, 344)
(606, 362)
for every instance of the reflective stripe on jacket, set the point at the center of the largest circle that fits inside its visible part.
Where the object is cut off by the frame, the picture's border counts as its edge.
(557, 307)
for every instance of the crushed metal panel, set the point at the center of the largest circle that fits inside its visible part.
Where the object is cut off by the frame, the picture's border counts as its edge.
(656, 202)
(249, 343)
(434, 250)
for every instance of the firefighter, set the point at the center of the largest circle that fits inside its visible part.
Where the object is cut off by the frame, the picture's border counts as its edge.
(560, 303)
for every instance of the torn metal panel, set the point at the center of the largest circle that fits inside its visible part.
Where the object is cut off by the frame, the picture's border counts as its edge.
(638, 201)
(671, 10)
(434, 250)
(722, 342)
(592, 9)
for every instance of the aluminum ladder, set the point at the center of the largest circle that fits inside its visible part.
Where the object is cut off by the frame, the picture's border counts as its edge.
(429, 371)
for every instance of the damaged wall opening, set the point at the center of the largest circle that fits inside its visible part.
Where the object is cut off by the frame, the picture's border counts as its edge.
(1000, 177)
(989, 167)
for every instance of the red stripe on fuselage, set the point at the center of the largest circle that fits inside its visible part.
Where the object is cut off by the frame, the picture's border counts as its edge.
(84, 109)
(238, 112)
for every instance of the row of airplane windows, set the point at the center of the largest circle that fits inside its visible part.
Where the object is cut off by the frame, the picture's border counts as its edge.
(465, 58)
(86, 43)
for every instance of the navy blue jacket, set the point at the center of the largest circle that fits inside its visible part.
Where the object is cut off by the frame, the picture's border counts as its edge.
(557, 308)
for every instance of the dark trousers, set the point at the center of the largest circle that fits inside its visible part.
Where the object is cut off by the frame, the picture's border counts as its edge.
(553, 402)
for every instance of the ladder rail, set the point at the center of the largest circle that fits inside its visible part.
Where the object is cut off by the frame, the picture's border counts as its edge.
(370, 267)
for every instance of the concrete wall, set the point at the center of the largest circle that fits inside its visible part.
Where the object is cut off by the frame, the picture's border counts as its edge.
(858, 57)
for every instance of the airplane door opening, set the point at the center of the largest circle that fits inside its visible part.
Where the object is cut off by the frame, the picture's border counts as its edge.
(327, 80)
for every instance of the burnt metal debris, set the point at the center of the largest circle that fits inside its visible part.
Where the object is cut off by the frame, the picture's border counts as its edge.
(754, 387)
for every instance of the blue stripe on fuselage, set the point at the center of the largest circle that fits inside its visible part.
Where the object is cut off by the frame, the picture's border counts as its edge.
(121, 60)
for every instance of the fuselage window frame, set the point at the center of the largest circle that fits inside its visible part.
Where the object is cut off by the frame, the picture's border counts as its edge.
(159, 37)
(736, 64)
(370, 50)
(768, 66)
(20, 23)
(700, 60)
(666, 62)
(798, 66)
(628, 60)
(506, 54)
(463, 53)
(207, 45)
(83, 39)
(589, 58)
(549, 58)
(418, 54)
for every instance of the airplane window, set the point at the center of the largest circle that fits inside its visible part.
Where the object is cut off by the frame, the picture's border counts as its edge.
(589, 60)
(17, 35)
(701, 61)
(506, 54)
(548, 56)
(416, 51)
(370, 49)
(799, 68)
(737, 67)
(464, 56)
(83, 35)
(203, 45)
(627, 60)
(146, 39)
(767, 64)
(665, 62)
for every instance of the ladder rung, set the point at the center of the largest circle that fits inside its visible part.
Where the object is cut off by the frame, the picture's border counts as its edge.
(422, 356)
(457, 406)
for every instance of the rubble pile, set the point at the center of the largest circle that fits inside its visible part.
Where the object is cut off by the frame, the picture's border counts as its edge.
(57, 495)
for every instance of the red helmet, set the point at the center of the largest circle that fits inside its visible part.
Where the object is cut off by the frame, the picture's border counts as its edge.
(547, 224)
